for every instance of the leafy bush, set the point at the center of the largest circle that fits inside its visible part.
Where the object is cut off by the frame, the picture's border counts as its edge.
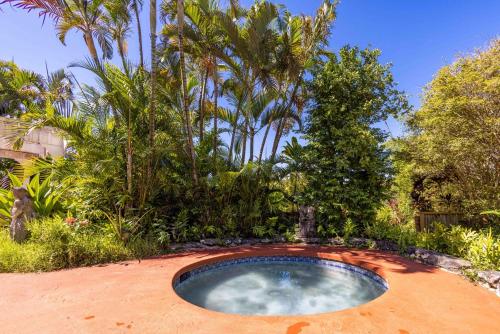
(481, 247)
(55, 244)
(349, 229)
(46, 197)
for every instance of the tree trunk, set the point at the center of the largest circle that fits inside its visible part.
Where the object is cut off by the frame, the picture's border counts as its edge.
(139, 31)
(252, 135)
(121, 52)
(244, 143)
(216, 111)
(282, 122)
(263, 144)
(89, 40)
(233, 135)
(187, 118)
(202, 104)
(129, 155)
(152, 101)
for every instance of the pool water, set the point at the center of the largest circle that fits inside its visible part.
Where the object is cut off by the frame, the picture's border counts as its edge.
(280, 288)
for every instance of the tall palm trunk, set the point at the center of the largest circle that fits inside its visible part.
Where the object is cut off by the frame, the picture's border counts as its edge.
(282, 122)
(235, 126)
(264, 139)
(252, 135)
(89, 40)
(129, 154)
(187, 119)
(244, 144)
(216, 111)
(152, 100)
(203, 91)
(139, 31)
(121, 51)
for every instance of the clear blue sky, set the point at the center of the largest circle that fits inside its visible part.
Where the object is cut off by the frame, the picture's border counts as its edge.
(416, 36)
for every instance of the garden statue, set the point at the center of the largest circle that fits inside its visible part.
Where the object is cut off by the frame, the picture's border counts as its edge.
(307, 223)
(21, 212)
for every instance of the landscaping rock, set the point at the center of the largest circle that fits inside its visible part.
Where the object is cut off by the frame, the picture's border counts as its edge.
(250, 241)
(386, 245)
(175, 247)
(359, 242)
(336, 241)
(311, 240)
(444, 261)
(266, 241)
(279, 239)
(490, 276)
(210, 242)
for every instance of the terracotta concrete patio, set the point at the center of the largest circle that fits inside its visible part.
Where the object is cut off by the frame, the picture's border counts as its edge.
(133, 297)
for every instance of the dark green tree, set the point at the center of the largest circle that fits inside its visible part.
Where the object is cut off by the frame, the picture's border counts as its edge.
(345, 160)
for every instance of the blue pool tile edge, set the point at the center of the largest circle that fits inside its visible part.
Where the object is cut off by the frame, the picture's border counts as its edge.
(331, 264)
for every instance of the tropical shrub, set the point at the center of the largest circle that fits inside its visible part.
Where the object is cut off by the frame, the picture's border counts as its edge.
(55, 243)
(481, 247)
(46, 196)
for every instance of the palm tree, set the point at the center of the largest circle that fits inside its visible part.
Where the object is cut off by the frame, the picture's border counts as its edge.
(203, 41)
(187, 118)
(252, 43)
(136, 6)
(117, 21)
(22, 90)
(152, 97)
(215, 79)
(83, 15)
(303, 40)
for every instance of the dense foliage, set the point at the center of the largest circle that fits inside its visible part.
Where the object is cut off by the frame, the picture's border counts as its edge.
(453, 146)
(177, 151)
(190, 146)
(347, 167)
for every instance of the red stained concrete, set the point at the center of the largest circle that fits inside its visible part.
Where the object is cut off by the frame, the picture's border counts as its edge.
(134, 297)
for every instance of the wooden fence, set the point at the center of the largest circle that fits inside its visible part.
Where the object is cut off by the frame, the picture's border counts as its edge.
(424, 220)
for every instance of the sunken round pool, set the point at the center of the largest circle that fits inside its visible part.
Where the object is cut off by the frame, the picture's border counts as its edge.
(279, 285)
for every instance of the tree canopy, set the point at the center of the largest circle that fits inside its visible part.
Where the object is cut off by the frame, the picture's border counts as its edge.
(455, 136)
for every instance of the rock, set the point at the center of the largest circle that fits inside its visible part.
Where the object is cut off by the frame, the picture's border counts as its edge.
(386, 245)
(248, 242)
(312, 240)
(191, 245)
(209, 242)
(491, 277)
(359, 242)
(175, 247)
(336, 241)
(266, 241)
(279, 239)
(22, 211)
(444, 261)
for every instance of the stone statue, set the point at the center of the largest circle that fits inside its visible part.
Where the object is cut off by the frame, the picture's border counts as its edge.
(307, 223)
(21, 212)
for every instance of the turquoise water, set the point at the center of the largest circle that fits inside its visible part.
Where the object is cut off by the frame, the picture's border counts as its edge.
(279, 288)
